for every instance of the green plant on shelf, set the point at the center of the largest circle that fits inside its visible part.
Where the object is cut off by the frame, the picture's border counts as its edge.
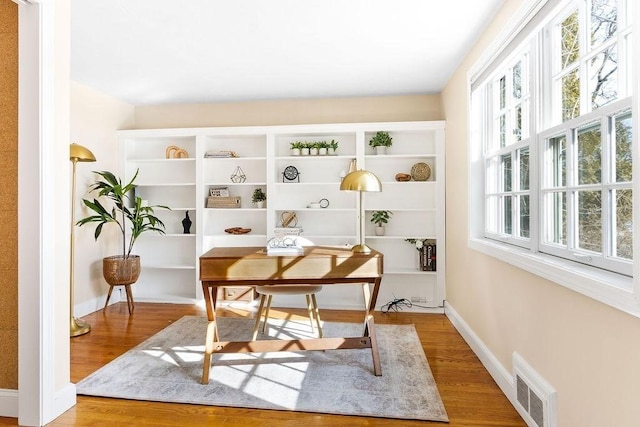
(380, 218)
(258, 195)
(381, 139)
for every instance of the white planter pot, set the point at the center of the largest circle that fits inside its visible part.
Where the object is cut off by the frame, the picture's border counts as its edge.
(260, 204)
(379, 231)
(331, 151)
(381, 149)
(304, 151)
(295, 151)
(313, 151)
(322, 151)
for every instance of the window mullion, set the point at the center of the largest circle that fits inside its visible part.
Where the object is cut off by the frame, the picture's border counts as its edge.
(570, 189)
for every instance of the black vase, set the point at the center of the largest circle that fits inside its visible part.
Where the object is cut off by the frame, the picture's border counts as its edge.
(186, 224)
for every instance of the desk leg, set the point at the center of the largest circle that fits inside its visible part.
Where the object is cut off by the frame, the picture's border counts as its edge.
(369, 325)
(210, 296)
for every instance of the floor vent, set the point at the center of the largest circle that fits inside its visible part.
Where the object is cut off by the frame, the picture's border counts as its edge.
(536, 398)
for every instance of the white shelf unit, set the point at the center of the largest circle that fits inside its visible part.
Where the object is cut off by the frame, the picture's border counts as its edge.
(170, 262)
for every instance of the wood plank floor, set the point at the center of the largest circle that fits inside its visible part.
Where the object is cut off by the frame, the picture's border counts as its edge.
(470, 395)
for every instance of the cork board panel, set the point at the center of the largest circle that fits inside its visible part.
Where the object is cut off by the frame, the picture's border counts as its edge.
(8, 297)
(8, 242)
(8, 17)
(9, 68)
(8, 206)
(9, 371)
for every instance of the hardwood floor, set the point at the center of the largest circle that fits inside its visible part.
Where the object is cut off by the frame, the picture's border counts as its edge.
(470, 395)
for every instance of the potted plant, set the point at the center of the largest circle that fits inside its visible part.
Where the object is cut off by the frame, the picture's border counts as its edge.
(258, 197)
(304, 149)
(381, 141)
(121, 269)
(380, 218)
(323, 146)
(295, 148)
(314, 147)
(333, 147)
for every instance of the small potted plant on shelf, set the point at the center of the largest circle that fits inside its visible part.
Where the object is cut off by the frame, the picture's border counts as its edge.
(323, 146)
(333, 147)
(259, 197)
(133, 221)
(295, 148)
(304, 149)
(314, 147)
(381, 141)
(380, 218)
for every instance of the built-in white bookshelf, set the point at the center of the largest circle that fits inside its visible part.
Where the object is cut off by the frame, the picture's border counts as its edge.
(170, 261)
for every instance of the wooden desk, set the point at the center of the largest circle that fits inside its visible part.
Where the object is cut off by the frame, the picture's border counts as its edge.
(320, 265)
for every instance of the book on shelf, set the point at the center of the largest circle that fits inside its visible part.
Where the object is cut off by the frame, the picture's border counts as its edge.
(287, 231)
(219, 154)
(428, 256)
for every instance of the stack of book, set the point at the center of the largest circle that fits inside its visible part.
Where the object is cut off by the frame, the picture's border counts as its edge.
(288, 245)
(287, 231)
(219, 154)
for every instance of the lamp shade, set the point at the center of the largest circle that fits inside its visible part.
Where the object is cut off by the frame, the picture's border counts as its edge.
(78, 153)
(361, 180)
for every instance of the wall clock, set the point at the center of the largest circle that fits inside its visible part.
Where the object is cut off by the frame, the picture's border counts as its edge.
(290, 174)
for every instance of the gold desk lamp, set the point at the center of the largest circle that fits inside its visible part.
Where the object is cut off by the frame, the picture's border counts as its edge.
(77, 153)
(361, 181)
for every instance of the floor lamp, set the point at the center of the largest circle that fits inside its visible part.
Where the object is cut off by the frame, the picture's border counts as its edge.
(361, 181)
(77, 153)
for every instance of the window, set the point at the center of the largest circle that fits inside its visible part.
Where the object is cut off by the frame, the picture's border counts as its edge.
(552, 140)
(586, 192)
(507, 192)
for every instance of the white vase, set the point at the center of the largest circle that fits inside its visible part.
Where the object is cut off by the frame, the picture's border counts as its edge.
(260, 204)
(381, 149)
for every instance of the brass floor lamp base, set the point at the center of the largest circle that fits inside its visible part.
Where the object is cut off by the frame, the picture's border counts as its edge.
(79, 327)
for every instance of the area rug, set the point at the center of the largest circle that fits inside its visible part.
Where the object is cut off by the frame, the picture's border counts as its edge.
(167, 368)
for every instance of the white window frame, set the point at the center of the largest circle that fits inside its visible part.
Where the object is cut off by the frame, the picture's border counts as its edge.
(614, 289)
(568, 129)
(512, 147)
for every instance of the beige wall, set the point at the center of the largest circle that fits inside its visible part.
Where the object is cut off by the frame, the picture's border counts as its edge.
(8, 195)
(586, 350)
(291, 112)
(94, 119)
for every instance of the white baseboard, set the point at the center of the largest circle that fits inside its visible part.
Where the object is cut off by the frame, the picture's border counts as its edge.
(63, 400)
(8, 403)
(96, 304)
(500, 374)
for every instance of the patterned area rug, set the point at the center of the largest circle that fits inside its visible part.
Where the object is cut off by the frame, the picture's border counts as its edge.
(167, 368)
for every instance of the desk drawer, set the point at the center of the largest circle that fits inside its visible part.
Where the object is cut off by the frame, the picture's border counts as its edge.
(237, 293)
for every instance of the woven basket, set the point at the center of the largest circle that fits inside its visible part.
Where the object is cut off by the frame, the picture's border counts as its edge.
(119, 271)
(223, 202)
(420, 172)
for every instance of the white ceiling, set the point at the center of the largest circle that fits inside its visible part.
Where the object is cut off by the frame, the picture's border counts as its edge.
(177, 51)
